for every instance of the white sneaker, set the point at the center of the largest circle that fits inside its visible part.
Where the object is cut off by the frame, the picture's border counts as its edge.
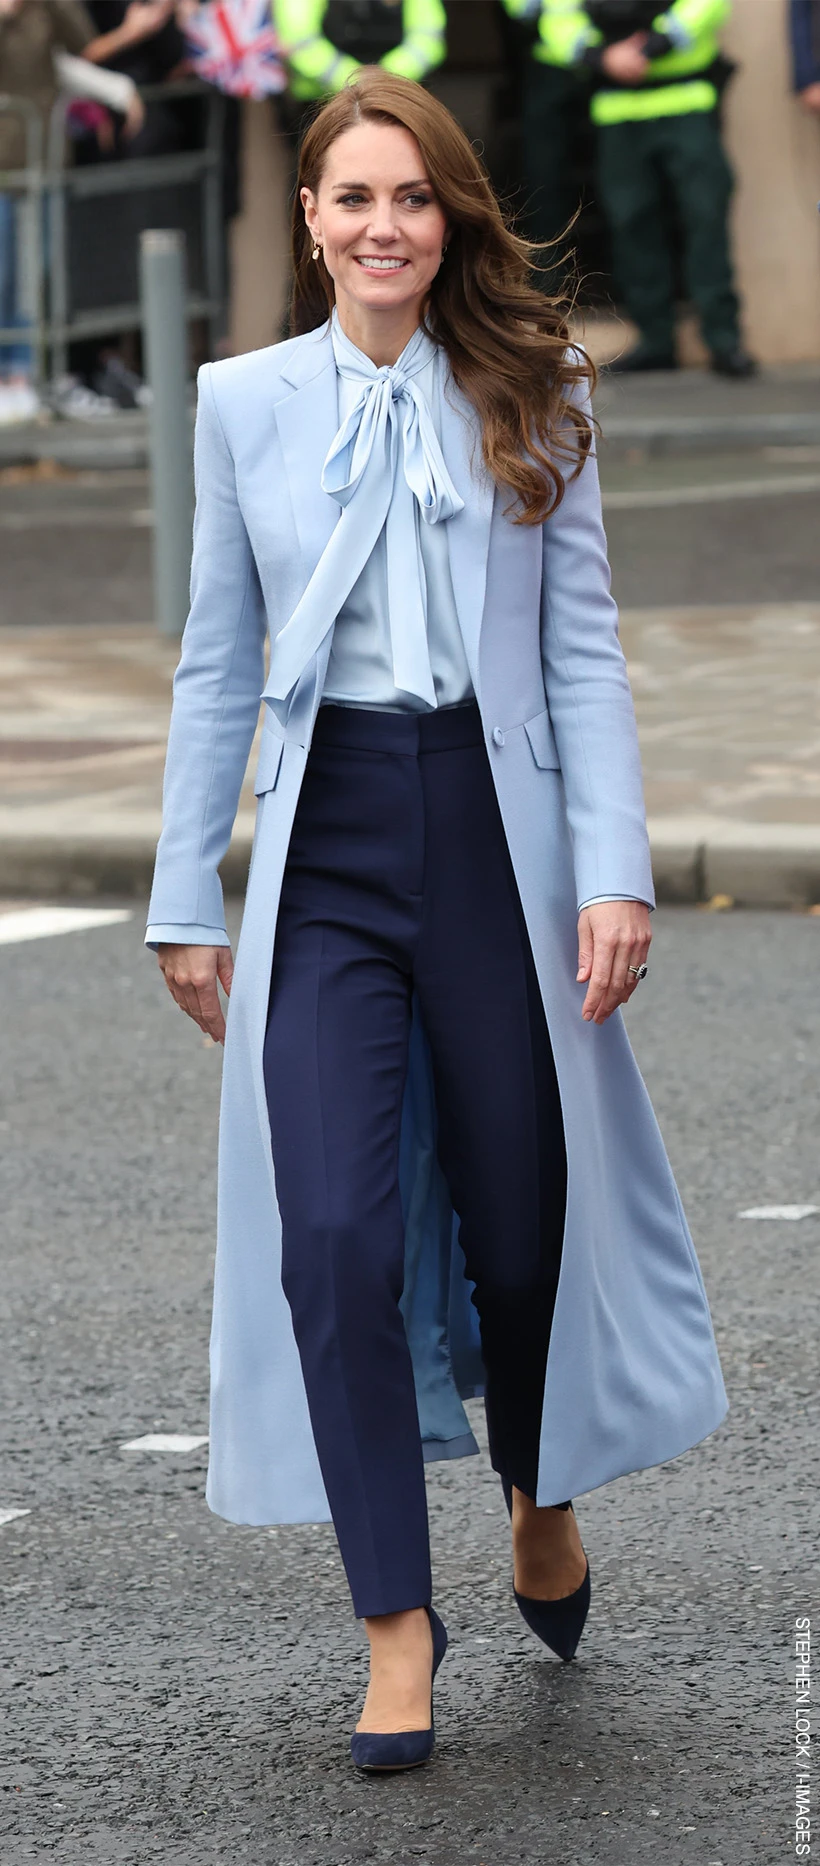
(18, 402)
(69, 396)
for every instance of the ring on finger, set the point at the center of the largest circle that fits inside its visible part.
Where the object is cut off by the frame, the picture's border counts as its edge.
(638, 972)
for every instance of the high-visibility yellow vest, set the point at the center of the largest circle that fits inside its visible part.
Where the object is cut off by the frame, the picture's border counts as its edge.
(677, 82)
(318, 68)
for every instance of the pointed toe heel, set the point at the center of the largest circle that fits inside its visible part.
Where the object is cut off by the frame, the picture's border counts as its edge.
(558, 1623)
(378, 1754)
(387, 1755)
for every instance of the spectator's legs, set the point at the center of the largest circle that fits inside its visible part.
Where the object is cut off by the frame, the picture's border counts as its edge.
(15, 357)
(630, 188)
(693, 156)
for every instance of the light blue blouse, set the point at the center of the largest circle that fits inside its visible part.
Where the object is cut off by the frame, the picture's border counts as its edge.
(360, 669)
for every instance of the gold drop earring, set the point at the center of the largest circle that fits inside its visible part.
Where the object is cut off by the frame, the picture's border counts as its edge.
(316, 250)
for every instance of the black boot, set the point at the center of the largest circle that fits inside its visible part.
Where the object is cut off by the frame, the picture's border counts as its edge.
(737, 363)
(634, 362)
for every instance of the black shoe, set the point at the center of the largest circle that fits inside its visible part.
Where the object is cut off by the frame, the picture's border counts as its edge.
(121, 385)
(636, 361)
(558, 1623)
(737, 363)
(408, 1749)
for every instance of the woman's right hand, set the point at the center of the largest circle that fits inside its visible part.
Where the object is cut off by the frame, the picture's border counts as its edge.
(192, 974)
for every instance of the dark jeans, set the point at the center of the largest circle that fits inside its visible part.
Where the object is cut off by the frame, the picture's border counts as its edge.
(398, 880)
(637, 164)
(15, 355)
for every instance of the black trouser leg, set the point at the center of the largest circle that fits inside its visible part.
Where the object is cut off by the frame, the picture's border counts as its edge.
(335, 1066)
(631, 192)
(695, 161)
(551, 98)
(501, 1141)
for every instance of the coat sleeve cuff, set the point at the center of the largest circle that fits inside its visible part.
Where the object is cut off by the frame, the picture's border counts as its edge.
(182, 935)
(596, 900)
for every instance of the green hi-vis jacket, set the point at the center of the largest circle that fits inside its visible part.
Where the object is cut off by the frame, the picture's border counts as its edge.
(682, 43)
(319, 63)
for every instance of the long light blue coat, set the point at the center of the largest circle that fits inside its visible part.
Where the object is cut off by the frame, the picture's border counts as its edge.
(633, 1376)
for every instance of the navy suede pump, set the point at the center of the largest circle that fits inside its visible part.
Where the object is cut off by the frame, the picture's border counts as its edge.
(559, 1623)
(408, 1749)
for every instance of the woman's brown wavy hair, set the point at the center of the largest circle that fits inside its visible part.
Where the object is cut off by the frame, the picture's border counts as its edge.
(508, 343)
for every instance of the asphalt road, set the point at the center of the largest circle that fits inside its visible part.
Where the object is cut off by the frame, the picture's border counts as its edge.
(717, 528)
(182, 1691)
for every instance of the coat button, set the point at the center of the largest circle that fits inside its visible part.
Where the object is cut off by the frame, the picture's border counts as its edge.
(498, 736)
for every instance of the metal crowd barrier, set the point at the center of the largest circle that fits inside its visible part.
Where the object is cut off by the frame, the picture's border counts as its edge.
(82, 228)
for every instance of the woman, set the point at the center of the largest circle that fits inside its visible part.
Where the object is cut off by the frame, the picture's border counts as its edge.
(404, 496)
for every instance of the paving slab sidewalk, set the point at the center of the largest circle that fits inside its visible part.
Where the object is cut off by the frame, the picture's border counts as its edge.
(728, 704)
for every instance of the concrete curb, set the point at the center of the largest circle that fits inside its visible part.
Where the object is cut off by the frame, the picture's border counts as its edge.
(78, 867)
(655, 437)
(122, 440)
(756, 865)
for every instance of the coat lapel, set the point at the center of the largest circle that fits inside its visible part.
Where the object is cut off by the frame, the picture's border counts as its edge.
(468, 532)
(307, 422)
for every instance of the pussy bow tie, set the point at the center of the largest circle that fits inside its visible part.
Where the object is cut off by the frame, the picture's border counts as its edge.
(385, 468)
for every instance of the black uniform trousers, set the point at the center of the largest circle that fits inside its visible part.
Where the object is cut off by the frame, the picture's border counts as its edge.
(640, 165)
(398, 880)
(552, 101)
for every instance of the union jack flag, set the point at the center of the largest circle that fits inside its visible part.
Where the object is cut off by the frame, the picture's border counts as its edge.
(232, 45)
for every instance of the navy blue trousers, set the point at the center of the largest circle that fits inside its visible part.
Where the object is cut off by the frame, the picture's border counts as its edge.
(398, 879)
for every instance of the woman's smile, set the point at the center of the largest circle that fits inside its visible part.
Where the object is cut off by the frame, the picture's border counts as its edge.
(372, 262)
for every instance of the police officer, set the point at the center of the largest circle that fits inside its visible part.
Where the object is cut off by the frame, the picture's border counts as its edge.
(325, 41)
(654, 103)
(553, 97)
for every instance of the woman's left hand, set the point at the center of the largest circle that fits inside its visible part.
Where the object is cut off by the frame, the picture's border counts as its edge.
(611, 936)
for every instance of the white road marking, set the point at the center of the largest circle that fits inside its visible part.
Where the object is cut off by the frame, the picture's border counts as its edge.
(165, 1441)
(43, 922)
(10, 1516)
(780, 1211)
(637, 499)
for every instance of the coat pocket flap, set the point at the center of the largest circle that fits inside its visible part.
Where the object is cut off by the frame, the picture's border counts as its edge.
(542, 742)
(270, 758)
